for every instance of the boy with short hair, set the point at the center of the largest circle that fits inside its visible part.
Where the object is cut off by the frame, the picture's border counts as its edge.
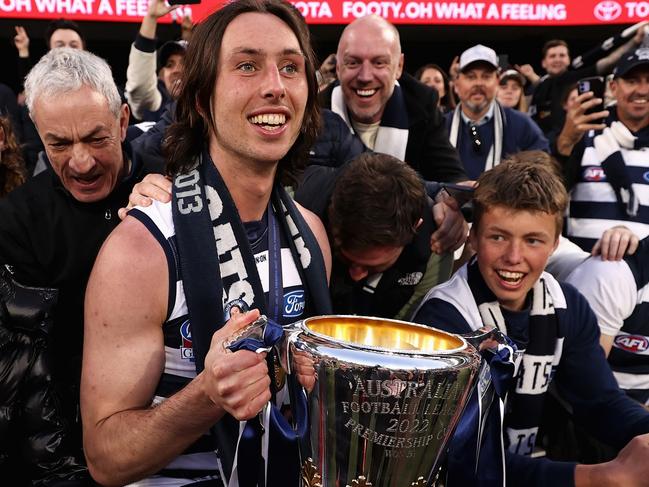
(518, 213)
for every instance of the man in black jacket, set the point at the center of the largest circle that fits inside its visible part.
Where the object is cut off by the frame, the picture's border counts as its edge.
(389, 110)
(52, 227)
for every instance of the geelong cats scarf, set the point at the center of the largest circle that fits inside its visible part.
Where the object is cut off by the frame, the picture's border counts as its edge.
(219, 271)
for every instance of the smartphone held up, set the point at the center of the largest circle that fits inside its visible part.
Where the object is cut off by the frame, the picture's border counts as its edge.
(597, 86)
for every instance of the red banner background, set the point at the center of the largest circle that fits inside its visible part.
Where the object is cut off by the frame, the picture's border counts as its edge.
(497, 12)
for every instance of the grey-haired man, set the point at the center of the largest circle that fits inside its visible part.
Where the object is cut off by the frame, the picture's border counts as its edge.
(51, 228)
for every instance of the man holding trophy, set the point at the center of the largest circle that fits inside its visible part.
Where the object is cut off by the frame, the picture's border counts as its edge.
(175, 280)
(162, 384)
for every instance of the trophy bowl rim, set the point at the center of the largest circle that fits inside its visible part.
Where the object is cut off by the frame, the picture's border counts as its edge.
(464, 347)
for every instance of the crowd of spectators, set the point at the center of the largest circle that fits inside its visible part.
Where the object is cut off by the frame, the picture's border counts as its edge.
(384, 171)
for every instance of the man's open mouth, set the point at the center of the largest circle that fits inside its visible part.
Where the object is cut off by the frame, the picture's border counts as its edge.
(269, 121)
(365, 93)
(86, 180)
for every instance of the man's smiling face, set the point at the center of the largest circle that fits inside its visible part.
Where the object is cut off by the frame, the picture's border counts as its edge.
(632, 95)
(369, 62)
(261, 90)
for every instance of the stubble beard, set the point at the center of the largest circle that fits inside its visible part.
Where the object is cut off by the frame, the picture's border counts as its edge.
(477, 108)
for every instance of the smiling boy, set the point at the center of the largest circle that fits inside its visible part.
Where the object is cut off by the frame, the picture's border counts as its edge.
(517, 223)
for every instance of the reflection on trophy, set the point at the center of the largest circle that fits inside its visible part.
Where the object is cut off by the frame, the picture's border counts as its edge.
(386, 399)
(383, 396)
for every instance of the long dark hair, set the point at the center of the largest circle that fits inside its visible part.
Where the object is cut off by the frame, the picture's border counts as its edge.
(447, 102)
(12, 167)
(186, 137)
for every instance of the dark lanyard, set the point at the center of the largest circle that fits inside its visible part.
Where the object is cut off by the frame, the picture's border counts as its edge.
(275, 285)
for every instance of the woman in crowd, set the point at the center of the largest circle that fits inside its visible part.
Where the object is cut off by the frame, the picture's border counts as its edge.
(12, 167)
(510, 91)
(435, 77)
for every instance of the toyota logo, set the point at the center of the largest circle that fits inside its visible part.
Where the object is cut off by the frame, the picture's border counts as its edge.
(607, 10)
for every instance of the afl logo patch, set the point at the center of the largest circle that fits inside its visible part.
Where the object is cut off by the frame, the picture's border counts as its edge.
(186, 348)
(632, 343)
(594, 174)
(294, 304)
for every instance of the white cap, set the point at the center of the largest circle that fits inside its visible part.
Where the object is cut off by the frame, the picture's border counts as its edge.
(478, 53)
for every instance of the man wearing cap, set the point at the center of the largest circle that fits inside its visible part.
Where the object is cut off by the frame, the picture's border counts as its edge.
(605, 155)
(148, 95)
(482, 130)
(388, 109)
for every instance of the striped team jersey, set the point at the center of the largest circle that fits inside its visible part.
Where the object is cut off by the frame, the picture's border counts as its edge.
(594, 207)
(618, 292)
(200, 461)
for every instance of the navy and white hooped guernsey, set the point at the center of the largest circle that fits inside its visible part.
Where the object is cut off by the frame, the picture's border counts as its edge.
(200, 461)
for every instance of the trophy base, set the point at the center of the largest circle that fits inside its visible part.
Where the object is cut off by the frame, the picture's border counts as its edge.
(311, 478)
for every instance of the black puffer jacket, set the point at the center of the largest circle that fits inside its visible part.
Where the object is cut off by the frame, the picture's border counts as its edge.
(33, 447)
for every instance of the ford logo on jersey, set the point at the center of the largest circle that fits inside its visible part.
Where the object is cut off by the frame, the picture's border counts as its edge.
(632, 343)
(294, 304)
(186, 348)
(594, 174)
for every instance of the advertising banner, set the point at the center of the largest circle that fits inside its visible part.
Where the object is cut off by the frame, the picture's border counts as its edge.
(496, 12)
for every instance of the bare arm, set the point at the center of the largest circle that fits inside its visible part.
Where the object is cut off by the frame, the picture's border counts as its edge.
(606, 341)
(125, 439)
(157, 9)
(452, 229)
(186, 28)
(318, 229)
(615, 243)
(605, 64)
(630, 468)
(21, 41)
(528, 71)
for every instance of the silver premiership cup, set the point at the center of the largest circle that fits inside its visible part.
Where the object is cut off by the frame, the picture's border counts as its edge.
(384, 400)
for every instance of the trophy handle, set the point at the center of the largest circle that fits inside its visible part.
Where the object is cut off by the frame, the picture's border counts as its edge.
(254, 331)
(284, 350)
(486, 337)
